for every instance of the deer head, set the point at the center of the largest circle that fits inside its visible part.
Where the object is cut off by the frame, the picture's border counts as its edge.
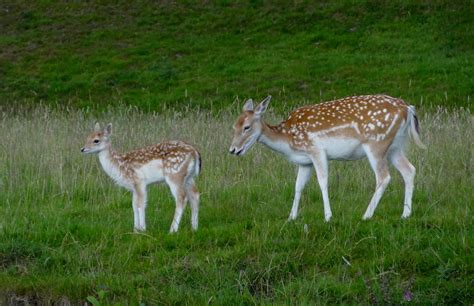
(98, 140)
(248, 127)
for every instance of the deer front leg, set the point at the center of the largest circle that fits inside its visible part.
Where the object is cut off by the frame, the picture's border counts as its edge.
(139, 206)
(304, 173)
(320, 163)
(382, 178)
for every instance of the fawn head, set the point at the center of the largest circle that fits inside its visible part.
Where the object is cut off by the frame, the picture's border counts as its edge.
(97, 140)
(248, 127)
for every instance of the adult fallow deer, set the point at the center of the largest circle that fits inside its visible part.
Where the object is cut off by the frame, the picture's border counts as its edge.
(373, 126)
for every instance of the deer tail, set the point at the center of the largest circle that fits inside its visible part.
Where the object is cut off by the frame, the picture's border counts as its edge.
(414, 129)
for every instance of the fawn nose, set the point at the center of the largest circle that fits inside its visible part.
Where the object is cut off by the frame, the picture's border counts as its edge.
(231, 151)
(83, 149)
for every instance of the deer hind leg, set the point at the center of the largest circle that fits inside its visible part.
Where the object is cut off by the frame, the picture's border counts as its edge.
(136, 220)
(304, 173)
(320, 163)
(192, 194)
(139, 202)
(378, 162)
(407, 170)
(176, 186)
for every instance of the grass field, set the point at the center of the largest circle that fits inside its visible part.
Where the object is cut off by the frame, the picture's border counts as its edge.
(156, 54)
(66, 230)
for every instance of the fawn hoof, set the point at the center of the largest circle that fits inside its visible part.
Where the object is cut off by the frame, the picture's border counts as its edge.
(405, 215)
(139, 229)
(406, 211)
(194, 224)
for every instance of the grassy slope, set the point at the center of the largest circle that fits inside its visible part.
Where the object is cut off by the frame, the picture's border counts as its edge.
(205, 54)
(65, 229)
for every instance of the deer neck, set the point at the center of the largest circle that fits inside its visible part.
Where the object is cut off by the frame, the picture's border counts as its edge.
(274, 138)
(110, 162)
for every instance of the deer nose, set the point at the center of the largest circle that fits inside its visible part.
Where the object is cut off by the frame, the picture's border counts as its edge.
(231, 151)
(83, 149)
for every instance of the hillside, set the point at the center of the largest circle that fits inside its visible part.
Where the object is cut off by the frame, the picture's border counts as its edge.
(206, 54)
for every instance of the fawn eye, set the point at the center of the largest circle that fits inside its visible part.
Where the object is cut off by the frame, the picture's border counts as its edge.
(246, 128)
(96, 140)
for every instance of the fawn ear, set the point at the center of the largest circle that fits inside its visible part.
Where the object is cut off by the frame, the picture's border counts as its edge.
(108, 129)
(248, 106)
(97, 127)
(262, 107)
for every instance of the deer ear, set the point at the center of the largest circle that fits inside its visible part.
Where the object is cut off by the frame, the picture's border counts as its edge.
(108, 129)
(97, 127)
(248, 106)
(262, 107)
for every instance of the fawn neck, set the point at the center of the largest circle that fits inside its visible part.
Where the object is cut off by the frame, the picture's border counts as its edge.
(107, 155)
(109, 160)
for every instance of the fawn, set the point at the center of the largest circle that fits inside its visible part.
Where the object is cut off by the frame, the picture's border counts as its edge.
(175, 162)
(373, 126)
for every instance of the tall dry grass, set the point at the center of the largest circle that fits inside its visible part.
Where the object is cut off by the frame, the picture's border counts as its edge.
(62, 218)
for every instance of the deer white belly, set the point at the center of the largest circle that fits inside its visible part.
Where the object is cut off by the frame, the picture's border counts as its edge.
(299, 158)
(151, 172)
(340, 148)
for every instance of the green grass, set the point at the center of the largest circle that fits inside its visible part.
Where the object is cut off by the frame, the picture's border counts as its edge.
(66, 230)
(209, 53)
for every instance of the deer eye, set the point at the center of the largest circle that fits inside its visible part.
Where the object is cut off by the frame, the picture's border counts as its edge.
(96, 140)
(246, 128)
